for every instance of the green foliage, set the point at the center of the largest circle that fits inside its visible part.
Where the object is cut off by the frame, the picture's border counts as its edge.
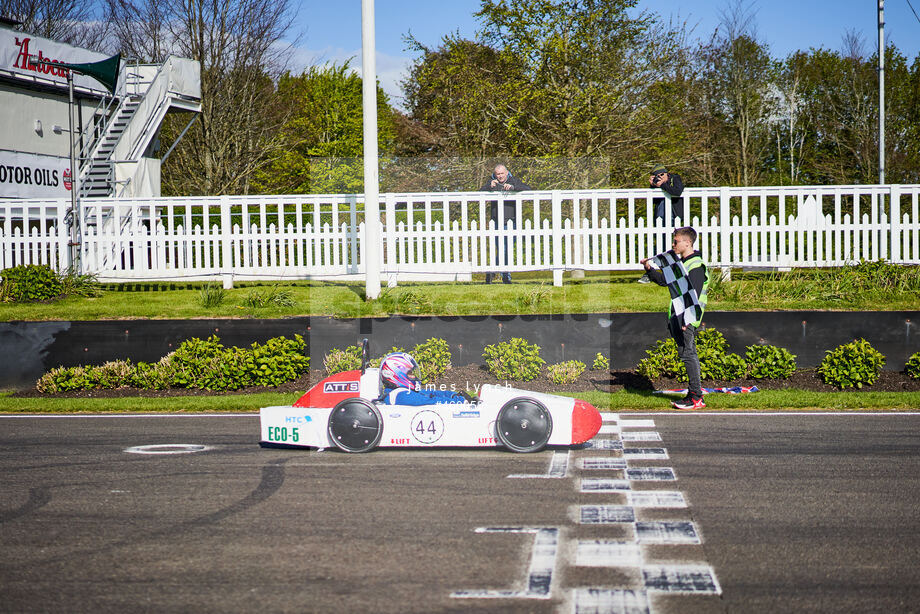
(662, 361)
(853, 364)
(196, 363)
(566, 372)
(716, 362)
(211, 295)
(86, 286)
(433, 358)
(912, 368)
(273, 296)
(515, 359)
(29, 282)
(601, 363)
(154, 376)
(405, 302)
(338, 360)
(769, 362)
(533, 300)
(323, 135)
(278, 360)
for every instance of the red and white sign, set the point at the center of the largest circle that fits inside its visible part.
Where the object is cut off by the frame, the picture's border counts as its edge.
(24, 175)
(18, 48)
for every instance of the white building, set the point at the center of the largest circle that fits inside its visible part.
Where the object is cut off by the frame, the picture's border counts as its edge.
(115, 132)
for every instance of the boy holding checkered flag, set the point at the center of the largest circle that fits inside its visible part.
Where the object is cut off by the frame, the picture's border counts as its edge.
(684, 273)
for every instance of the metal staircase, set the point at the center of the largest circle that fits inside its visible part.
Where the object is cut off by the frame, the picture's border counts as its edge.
(97, 172)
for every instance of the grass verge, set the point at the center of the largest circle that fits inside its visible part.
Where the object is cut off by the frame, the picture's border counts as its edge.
(771, 400)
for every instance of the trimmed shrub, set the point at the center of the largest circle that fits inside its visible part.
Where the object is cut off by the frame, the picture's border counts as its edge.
(601, 363)
(338, 360)
(769, 362)
(278, 360)
(515, 359)
(912, 368)
(566, 372)
(716, 362)
(662, 361)
(433, 358)
(855, 364)
(29, 282)
(154, 376)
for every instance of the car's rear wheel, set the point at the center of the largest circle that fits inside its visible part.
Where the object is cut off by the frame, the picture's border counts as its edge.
(523, 425)
(355, 425)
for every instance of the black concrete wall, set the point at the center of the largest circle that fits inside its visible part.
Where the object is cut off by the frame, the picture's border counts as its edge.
(28, 349)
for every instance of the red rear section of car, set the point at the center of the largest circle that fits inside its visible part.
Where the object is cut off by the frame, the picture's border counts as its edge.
(586, 421)
(331, 390)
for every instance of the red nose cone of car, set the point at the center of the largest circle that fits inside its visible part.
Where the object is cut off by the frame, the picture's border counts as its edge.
(586, 422)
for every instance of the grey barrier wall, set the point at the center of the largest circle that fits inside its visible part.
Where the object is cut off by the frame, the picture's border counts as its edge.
(28, 349)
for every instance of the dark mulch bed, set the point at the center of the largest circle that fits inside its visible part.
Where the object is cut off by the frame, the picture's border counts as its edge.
(471, 377)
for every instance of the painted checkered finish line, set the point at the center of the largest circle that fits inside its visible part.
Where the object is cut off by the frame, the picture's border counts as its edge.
(620, 490)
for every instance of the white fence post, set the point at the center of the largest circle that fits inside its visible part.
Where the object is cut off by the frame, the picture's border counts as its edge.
(226, 242)
(894, 222)
(557, 264)
(389, 238)
(725, 226)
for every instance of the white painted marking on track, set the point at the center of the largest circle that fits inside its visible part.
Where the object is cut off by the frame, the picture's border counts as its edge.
(641, 436)
(626, 424)
(604, 444)
(656, 498)
(608, 417)
(604, 485)
(609, 429)
(540, 573)
(601, 463)
(610, 601)
(645, 453)
(606, 514)
(607, 553)
(558, 467)
(667, 532)
(698, 579)
(651, 474)
(168, 448)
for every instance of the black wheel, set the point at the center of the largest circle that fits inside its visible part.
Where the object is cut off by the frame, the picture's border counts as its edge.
(523, 425)
(355, 425)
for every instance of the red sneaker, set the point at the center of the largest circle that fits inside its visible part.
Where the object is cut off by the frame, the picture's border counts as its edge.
(689, 402)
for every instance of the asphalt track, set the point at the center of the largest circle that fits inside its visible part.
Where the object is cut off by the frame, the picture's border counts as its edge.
(793, 513)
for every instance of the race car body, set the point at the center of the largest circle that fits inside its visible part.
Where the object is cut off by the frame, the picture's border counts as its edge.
(343, 411)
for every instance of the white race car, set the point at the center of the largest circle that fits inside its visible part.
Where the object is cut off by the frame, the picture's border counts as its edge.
(343, 411)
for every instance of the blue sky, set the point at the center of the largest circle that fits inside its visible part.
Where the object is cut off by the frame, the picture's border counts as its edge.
(331, 31)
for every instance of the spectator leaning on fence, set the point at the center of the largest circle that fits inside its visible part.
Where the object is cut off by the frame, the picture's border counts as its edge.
(672, 186)
(503, 181)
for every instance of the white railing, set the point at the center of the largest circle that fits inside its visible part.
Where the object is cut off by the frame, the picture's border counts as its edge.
(451, 236)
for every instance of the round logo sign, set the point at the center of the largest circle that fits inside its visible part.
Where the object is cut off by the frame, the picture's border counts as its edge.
(427, 426)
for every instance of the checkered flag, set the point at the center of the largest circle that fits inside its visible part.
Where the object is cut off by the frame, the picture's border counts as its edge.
(685, 303)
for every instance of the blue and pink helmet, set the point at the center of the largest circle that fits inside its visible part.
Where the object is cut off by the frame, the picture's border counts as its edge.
(396, 371)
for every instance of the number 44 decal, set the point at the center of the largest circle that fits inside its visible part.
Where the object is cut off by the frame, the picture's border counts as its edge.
(427, 426)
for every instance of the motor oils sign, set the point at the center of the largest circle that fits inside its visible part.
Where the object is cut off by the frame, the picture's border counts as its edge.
(24, 175)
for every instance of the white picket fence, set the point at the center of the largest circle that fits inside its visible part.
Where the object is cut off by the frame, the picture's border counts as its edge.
(445, 236)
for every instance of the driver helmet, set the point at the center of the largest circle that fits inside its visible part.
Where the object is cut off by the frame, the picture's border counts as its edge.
(396, 371)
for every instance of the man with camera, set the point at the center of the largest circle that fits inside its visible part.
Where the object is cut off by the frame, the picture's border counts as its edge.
(503, 181)
(672, 186)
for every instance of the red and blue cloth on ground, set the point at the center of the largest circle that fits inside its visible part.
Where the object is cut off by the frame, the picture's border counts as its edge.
(725, 389)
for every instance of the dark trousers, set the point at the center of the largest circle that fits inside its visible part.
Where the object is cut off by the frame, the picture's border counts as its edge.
(509, 225)
(686, 350)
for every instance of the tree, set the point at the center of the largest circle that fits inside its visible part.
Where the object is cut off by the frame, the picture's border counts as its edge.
(237, 43)
(323, 135)
(76, 22)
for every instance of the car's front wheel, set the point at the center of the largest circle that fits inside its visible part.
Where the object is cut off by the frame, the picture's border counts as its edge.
(523, 425)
